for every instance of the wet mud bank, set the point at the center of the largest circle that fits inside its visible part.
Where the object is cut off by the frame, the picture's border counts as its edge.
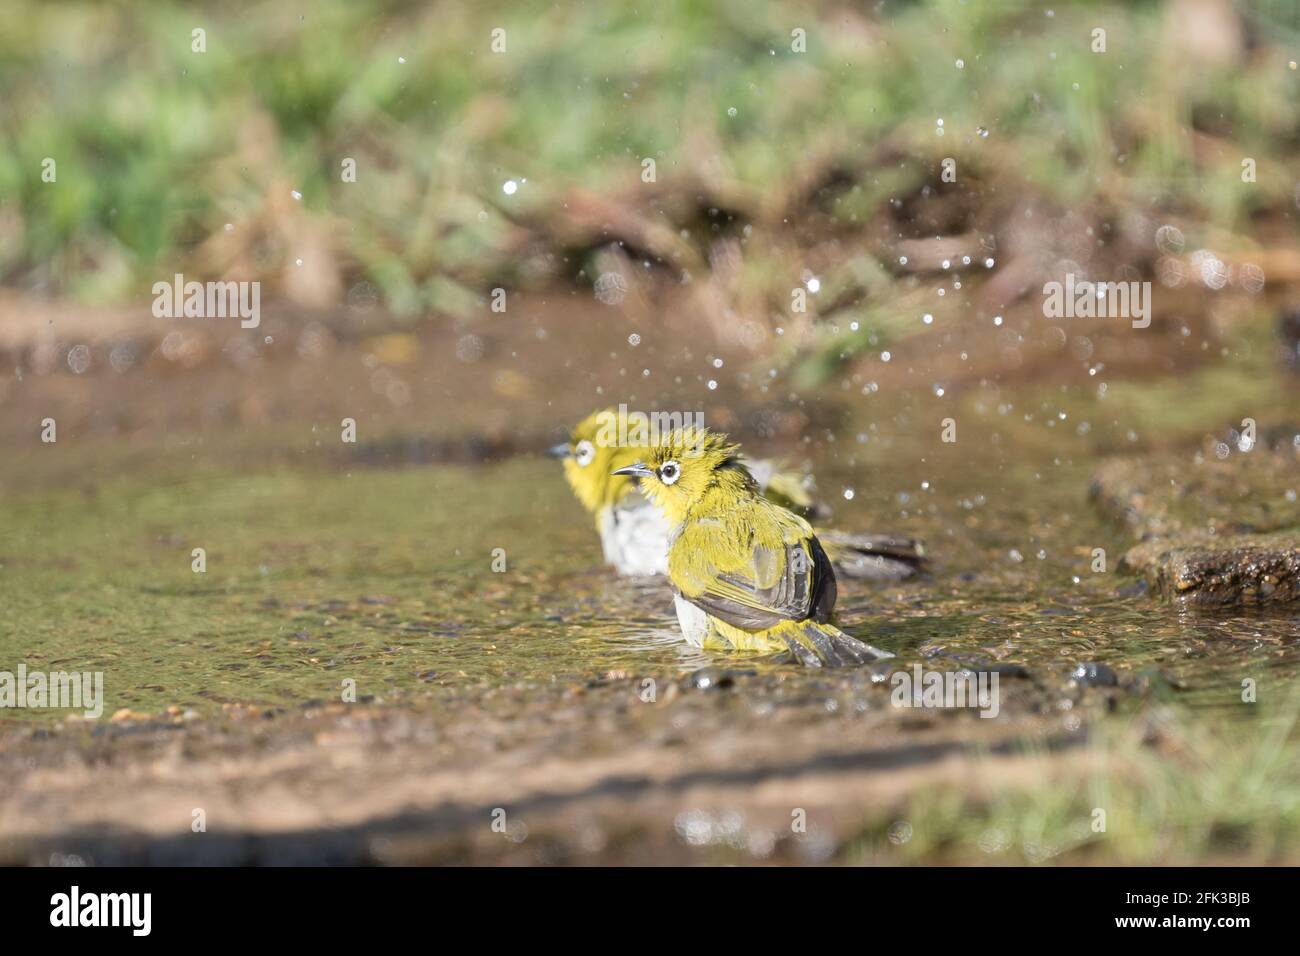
(718, 766)
(1212, 530)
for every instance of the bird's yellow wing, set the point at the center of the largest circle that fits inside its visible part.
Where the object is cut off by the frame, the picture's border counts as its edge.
(753, 567)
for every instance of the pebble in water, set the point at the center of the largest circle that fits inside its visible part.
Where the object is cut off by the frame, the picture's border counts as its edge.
(712, 678)
(1092, 674)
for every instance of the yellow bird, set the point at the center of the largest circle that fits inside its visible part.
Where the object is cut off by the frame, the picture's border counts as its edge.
(634, 534)
(747, 573)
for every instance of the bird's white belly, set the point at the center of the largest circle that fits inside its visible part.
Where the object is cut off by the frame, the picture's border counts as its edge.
(634, 537)
(693, 621)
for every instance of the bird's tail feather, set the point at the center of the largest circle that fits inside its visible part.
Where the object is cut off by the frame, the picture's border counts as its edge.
(824, 645)
(875, 557)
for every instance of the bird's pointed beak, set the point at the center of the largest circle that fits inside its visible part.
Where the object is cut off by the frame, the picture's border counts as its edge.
(561, 450)
(639, 470)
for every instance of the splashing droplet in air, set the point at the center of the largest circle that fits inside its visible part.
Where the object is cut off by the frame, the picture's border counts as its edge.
(79, 358)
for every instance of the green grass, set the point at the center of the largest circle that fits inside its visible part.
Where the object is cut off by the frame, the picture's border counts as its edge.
(158, 147)
(1168, 788)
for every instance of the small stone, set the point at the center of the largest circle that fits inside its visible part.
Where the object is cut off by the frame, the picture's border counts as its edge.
(1092, 674)
(711, 678)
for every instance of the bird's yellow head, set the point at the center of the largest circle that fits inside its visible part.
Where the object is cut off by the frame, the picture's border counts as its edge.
(590, 457)
(688, 467)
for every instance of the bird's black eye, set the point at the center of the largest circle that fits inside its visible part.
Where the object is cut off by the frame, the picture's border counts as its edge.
(583, 453)
(669, 472)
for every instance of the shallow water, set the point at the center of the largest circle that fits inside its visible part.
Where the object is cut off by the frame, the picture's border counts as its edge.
(323, 571)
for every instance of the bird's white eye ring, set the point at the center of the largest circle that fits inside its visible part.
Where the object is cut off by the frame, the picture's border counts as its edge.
(669, 472)
(583, 453)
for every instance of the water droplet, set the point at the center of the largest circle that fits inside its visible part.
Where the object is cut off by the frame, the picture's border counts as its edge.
(510, 187)
(1250, 277)
(79, 358)
(610, 288)
(470, 348)
(634, 340)
(1169, 239)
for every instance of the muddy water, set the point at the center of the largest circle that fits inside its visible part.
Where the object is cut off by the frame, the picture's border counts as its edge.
(322, 568)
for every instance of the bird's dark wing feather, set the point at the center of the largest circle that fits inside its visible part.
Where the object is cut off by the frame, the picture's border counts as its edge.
(794, 585)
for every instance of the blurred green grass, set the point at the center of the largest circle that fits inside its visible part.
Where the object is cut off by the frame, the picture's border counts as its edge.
(1165, 790)
(160, 148)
